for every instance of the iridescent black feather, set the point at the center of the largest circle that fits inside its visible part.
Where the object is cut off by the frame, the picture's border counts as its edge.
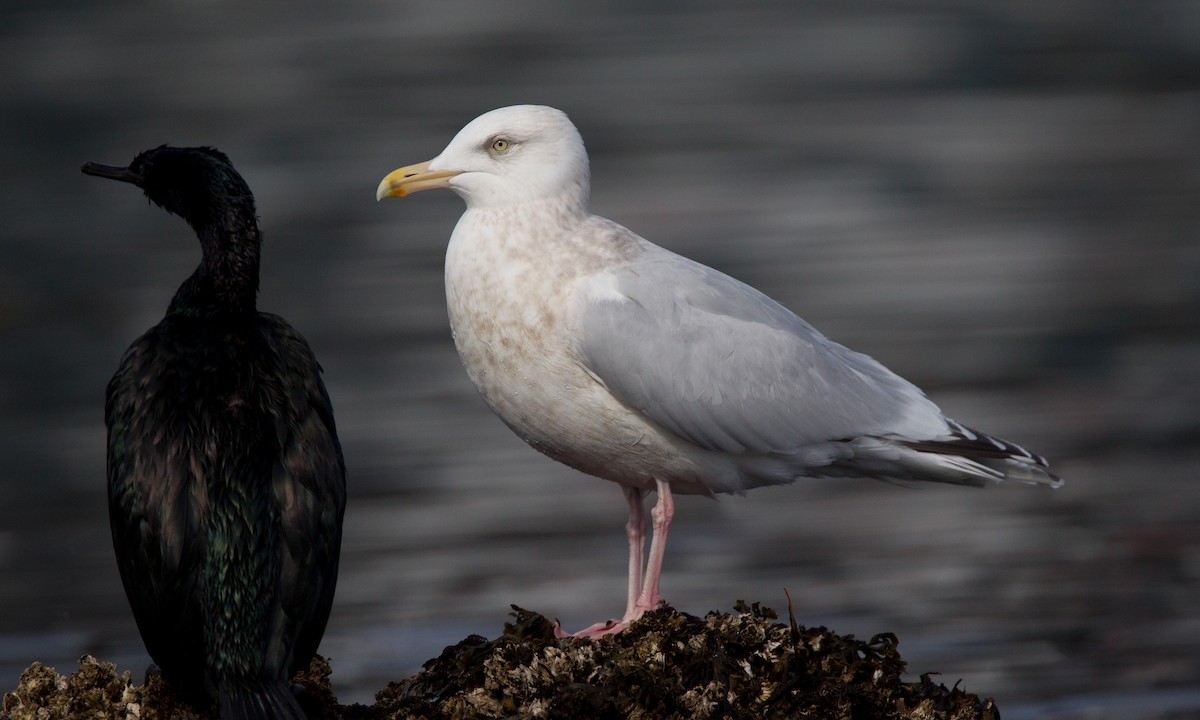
(225, 476)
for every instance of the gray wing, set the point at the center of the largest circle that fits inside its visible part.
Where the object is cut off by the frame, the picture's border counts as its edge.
(725, 367)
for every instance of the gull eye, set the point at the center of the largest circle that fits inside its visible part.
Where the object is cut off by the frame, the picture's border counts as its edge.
(500, 145)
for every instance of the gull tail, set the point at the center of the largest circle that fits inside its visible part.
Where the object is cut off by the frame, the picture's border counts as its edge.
(258, 700)
(969, 457)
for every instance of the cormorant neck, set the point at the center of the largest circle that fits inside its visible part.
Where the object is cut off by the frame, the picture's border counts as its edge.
(226, 281)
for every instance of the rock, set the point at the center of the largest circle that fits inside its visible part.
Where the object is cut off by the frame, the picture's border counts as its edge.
(668, 665)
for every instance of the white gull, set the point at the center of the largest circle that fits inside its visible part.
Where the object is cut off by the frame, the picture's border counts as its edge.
(636, 365)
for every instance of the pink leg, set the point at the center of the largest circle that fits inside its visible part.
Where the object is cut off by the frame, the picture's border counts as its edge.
(635, 530)
(662, 513)
(643, 595)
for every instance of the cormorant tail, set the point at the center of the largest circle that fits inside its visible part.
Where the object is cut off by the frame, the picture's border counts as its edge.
(264, 700)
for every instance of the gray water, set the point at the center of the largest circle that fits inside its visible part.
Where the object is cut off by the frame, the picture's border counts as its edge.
(999, 203)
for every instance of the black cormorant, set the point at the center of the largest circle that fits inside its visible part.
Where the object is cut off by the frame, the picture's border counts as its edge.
(226, 482)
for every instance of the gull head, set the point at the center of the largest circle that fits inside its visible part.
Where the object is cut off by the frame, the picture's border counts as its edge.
(510, 156)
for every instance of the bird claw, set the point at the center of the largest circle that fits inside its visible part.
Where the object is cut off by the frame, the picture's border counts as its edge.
(591, 632)
(600, 629)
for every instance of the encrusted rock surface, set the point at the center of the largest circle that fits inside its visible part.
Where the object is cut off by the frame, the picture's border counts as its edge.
(668, 665)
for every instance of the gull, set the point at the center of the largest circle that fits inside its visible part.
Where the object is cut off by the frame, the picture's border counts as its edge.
(633, 364)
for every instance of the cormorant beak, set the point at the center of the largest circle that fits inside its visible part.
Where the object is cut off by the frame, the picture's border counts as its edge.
(123, 174)
(414, 178)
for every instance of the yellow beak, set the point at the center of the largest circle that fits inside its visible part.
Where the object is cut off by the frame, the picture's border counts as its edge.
(413, 178)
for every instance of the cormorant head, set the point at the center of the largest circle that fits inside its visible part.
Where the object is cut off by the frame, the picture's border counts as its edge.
(198, 183)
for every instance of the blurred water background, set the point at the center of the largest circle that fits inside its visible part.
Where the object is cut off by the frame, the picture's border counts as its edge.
(1000, 201)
